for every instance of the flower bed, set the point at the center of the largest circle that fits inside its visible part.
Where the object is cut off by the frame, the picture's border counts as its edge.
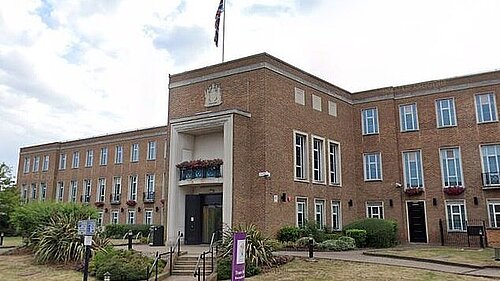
(454, 190)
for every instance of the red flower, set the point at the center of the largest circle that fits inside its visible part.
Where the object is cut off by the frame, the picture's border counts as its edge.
(99, 204)
(414, 191)
(454, 190)
(131, 203)
(193, 164)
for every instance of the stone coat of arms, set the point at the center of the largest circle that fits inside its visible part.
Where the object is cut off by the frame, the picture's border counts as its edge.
(213, 95)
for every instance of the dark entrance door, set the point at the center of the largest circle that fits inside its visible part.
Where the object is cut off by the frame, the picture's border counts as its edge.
(203, 217)
(192, 232)
(416, 222)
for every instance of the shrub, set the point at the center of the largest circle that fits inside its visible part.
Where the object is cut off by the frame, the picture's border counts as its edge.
(304, 242)
(311, 229)
(275, 245)
(258, 247)
(288, 233)
(379, 233)
(30, 217)
(224, 269)
(123, 265)
(359, 236)
(341, 244)
(332, 236)
(118, 231)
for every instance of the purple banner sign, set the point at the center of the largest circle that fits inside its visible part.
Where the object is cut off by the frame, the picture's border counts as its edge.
(239, 246)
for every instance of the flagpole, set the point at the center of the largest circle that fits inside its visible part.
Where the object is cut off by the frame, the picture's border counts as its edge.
(223, 29)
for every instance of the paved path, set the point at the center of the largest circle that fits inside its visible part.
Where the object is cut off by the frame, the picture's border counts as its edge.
(358, 256)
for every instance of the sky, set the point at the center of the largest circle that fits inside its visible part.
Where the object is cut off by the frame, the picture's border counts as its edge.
(76, 69)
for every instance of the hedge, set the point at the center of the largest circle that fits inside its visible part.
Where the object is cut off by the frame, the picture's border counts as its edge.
(379, 233)
(118, 231)
(359, 236)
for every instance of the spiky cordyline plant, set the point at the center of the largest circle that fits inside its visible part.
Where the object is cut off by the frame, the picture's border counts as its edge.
(258, 247)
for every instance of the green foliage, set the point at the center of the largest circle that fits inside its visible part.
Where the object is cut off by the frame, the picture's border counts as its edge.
(344, 243)
(332, 236)
(379, 233)
(30, 217)
(311, 229)
(359, 236)
(304, 242)
(275, 244)
(224, 269)
(9, 199)
(123, 265)
(258, 247)
(288, 233)
(118, 231)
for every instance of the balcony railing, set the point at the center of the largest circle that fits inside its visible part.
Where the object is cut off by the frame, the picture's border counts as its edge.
(199, 173)
(115, 198)
(491, 179)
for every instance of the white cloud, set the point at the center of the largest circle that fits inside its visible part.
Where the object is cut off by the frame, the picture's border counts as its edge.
(71, 69)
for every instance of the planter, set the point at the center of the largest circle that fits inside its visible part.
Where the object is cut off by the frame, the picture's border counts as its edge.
(414, 191)
(99, 204)
(197, 169)
(131, 203)
(454, 190)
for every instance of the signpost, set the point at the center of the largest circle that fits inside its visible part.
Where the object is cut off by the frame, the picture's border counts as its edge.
(238, 264)
(87, 229)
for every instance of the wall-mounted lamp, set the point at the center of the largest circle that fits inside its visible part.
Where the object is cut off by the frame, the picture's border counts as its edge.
(434, 202)
(476, 201)
(391, 203)
(106, 210)
(349, 203)
(157, 209)
(122, 210)
(139, 209)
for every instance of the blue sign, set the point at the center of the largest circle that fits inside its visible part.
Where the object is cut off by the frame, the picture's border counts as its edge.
(86, 227)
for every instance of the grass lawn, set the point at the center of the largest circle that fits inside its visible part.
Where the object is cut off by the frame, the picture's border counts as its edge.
(300, 269)
(461, 255)
(12, 241)
(14, 267)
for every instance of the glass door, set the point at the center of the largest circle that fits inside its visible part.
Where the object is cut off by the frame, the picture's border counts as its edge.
(211, 222)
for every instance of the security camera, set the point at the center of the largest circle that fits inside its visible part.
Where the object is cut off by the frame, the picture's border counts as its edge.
(398, 185)
(264, 174)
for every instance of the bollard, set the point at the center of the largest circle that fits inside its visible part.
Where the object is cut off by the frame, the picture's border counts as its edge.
(1, 238)
(107, 276)
(310, 247)
(130, 240)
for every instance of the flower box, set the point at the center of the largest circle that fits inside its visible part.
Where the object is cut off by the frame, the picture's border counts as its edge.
(454, 190)
(196, 169)
(99, 204)
(131, 203)
(413, 191)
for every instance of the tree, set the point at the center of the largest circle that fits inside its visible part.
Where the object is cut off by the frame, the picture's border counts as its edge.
(9, 198)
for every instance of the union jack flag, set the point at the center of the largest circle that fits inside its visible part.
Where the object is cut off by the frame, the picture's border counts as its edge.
(220, 9)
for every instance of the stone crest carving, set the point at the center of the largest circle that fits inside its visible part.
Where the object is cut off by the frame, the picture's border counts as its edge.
(213, 95)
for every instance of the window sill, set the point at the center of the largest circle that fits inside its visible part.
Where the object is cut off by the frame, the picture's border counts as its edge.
(335, 184)
(319, 182)
(373, 180)
(445, 127)
(301, 180)
(371, 134)
(409, 131)
(487, 122)
(456, 231)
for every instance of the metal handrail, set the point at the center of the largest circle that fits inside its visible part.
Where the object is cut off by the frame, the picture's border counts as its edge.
(197, 269)
(154, 266)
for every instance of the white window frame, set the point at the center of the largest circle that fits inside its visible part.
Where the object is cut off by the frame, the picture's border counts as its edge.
(62, 161)
(414, 117)
(450, 224)
(366, 120)
(151, 150)
(320, 152)
(407, 178)
(492, 104)
(338, 214)
(43, 191)
(115, 217)
(319, 203)
(368, 164)
(45, 165)
(60, 191)
(334, 157)
(36, 164)
(150, 212)
(89, 158)
(303, 154)
(487, 172)
(87, 190)
(493, 215)
(443, 111)
(301, 201)
(101, 190)
(134, 152)
(150, 183)
(131, 217)
(117, 188)
(33, 191)
(103, 159)
(73, 191)
(375, 205)
(26, 167)
(132, 187)
(75, 163)
(24, 193)
(100, 216)
(119, 154)
(456, 166)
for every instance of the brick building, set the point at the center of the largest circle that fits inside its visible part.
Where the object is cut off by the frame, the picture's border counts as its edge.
(280, 146)
(122, 174)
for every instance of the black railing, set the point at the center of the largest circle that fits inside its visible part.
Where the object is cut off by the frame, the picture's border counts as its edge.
(174, 250)
(491, 179)
(149, 197)
(200, 270)
(198, 173)
(115, 198)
